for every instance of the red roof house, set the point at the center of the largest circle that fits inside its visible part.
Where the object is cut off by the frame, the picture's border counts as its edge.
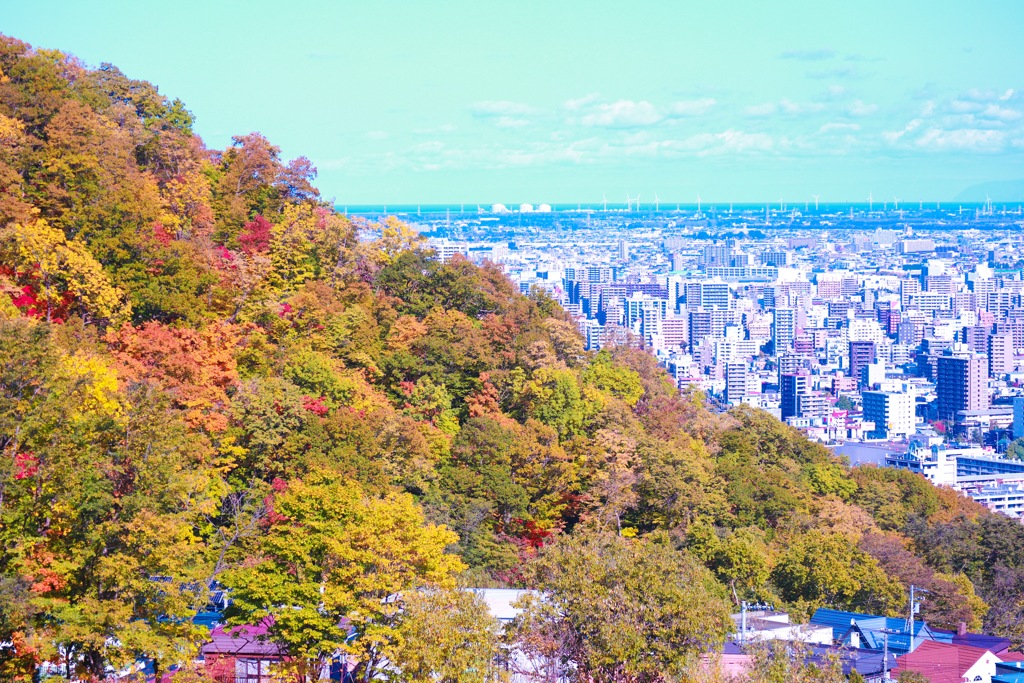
(948, 663)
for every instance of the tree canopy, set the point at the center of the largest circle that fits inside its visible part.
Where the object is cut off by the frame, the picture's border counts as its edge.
(209, 377)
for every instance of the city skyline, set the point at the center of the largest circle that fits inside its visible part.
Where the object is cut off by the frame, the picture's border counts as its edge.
(564, 104)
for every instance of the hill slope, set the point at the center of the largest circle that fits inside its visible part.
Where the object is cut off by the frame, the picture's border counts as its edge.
(192, 344)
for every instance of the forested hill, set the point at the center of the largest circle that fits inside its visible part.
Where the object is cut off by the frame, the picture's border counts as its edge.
(209, 377)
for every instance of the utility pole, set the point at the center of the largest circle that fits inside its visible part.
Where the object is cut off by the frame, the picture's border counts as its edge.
(885, 658)
(885, 653)
(915, 607)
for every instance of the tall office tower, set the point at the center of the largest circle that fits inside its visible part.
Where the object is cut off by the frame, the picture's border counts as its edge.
(962, 382)
(1000, 354)
(791, 387)
(941, 284)
(839, 309)
(783, 330)
(775, 258)
(862, 354)
(804, 345)
(717, 255)
(1014, 326)
(892, 413)
(975, 337)
(623, 251)
(735, 382)
(708, 295)
(678, 261)
(769, 294)
(910, 333)
(908, 288)
(1001, 301)
(890, 321)
(705, 325)
(1018, 417)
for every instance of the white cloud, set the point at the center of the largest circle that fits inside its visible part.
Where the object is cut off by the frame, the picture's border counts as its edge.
(784, 106)
(860, 108)
(765, 109)
(691, 107)
(727, 142)
(503, 113)
(968, 139)
(799, 108)
(994, 111)
(501, 108)
(830, 127)
(581, 102)
(622, 114)
(895, 136)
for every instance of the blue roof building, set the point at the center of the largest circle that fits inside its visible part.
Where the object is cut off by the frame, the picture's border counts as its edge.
(870, 631)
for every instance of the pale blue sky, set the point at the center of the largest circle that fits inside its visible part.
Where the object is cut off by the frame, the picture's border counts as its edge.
(558, 101)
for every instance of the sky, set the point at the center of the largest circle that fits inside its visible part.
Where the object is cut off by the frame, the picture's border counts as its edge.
(564, 101)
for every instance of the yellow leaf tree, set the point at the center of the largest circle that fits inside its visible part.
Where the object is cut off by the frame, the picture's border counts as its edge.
(62, 273)
(331, 562)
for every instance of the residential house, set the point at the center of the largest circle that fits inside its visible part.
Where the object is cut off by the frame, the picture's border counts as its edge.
(948, 663)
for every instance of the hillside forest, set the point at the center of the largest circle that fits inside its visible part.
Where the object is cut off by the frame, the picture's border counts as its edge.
(212, 380)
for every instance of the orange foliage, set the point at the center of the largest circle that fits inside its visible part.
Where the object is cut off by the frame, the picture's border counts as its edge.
(194, 366)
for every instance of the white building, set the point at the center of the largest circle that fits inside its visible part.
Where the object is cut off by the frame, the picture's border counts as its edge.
(892, 413)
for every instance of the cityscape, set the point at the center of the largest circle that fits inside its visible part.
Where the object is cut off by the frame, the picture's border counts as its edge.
(892, 335)
(534, 342)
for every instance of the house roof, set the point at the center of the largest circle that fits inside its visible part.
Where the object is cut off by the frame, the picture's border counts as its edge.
(243, 640)
(942, 662)
(873, 629)
(500, 601)
(863, 661)
(1009, 672)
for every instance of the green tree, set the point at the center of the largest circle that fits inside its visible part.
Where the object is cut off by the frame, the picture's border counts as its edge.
(448, 636)
(101, 500)
(819, 568)
(1015, 449)
(330, 560)
(620, 609)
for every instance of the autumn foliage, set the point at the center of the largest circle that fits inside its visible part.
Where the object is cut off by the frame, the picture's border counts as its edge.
(208, 377)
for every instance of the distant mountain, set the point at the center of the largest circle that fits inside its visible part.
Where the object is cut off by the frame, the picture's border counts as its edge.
(996, 190)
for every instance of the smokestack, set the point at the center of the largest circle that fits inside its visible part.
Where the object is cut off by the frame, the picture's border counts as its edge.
(961, 630)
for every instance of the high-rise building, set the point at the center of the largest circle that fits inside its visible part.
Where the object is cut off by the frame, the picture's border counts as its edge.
(892, 413)
(707, 295)
(623, 251)
(1018, 417)
(791, 387)
(1000, 354)
(862, 354)
(961, 382)
(674, 332)
(812, 404)
(975, 337)
(908, 288)
(775, 258)
(705, 325)
(717, 255)
(942, 284)
(735, 382)
(783, 330)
